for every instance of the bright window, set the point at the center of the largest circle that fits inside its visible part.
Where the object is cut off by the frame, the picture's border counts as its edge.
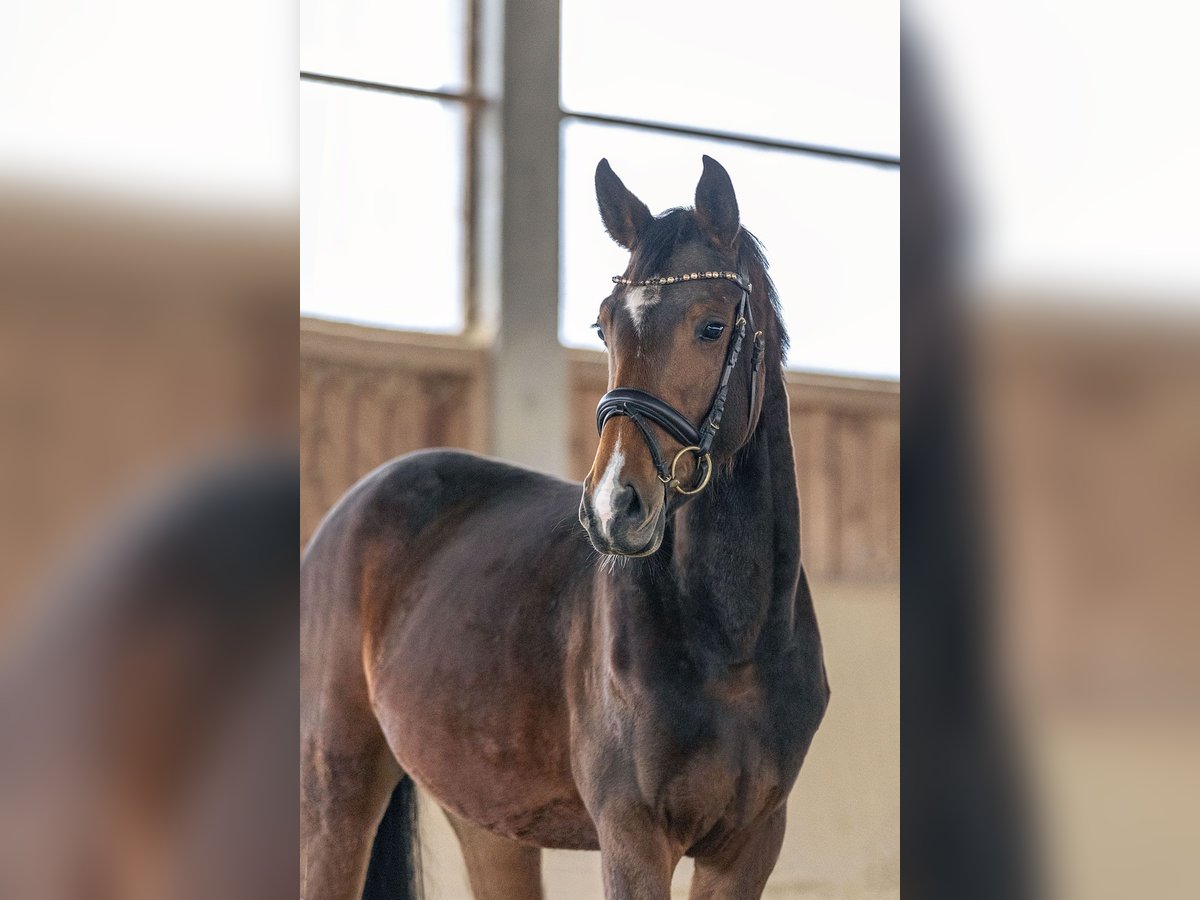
(805, 70)
(403, 43)
(807, 134)
(380, 230)
(386, 111)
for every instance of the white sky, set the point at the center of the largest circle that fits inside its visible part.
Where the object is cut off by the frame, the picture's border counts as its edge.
(824, 73)
(806, 70)
(191, 105)
(831, 231)
(416, 43)
(1075, 127)
(381, 208)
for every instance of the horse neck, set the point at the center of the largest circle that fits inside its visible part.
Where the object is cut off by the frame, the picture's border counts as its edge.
(732, 554)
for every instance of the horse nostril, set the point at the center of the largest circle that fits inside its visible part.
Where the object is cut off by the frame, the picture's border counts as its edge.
(631, 503)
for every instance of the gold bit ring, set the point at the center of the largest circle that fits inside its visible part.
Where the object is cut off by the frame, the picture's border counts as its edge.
(702, 459)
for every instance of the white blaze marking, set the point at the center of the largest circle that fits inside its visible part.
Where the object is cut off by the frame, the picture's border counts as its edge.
(637, 301)
(609, 482)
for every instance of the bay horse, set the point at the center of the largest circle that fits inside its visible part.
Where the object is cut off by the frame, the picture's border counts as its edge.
(646, 685)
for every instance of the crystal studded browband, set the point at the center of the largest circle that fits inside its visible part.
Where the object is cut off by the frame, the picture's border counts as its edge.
(690, 276)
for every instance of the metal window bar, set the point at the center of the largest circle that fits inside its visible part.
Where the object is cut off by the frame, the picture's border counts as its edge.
(859, 156)
(473, 102)
(472, 99)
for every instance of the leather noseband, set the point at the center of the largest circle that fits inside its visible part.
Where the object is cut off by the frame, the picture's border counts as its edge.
(642, 406)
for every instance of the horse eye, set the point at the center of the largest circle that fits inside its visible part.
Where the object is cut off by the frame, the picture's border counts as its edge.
(712, 331)
(599, 330)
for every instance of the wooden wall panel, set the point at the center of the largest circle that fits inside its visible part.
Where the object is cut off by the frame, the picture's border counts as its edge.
(852, 453)
(589, 381)
(885, 474)
(817, 473)
(369, 395)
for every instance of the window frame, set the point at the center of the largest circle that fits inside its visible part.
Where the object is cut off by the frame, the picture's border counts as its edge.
(512, 216)
(473, 103)
(797, 148)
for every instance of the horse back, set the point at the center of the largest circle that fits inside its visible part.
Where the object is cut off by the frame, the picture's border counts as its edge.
(436, 517)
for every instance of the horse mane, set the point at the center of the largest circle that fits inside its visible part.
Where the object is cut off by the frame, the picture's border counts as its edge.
(678, 226)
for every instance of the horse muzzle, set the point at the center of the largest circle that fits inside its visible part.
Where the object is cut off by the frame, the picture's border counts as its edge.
(621, 522)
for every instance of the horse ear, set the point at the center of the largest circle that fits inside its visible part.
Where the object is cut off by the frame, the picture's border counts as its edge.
(716, 204)
(624, 215)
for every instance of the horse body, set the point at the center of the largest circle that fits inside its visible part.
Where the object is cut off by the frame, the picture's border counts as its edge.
(468, 682)
(460, 629)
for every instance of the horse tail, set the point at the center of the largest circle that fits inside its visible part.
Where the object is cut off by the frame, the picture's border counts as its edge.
(394, 872)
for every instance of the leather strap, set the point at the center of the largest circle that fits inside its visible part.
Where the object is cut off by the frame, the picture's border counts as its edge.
(660, 464)
(620, 401)
(640, 405)
(756, 357)
(708, 431)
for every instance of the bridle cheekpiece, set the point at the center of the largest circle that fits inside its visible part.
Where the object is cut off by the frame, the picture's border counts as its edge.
(638, 405)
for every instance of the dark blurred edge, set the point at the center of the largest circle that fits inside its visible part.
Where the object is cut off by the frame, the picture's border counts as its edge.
(966, 830)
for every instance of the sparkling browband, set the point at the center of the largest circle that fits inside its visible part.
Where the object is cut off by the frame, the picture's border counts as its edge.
(690, 276)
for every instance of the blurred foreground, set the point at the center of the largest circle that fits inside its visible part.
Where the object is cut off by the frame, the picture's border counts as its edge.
(148, 503)
(148, 527)
(1051, 444)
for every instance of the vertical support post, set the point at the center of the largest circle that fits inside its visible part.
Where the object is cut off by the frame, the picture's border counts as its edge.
(529, 379)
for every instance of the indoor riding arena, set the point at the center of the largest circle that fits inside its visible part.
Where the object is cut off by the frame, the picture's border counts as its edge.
(456, 450)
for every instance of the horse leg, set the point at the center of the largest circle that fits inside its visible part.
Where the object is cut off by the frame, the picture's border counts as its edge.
(741, 872)
(347, 774)
(636, 858)
(499, 868)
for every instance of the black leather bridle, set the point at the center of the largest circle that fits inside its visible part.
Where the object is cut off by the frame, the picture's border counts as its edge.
(640, 406)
